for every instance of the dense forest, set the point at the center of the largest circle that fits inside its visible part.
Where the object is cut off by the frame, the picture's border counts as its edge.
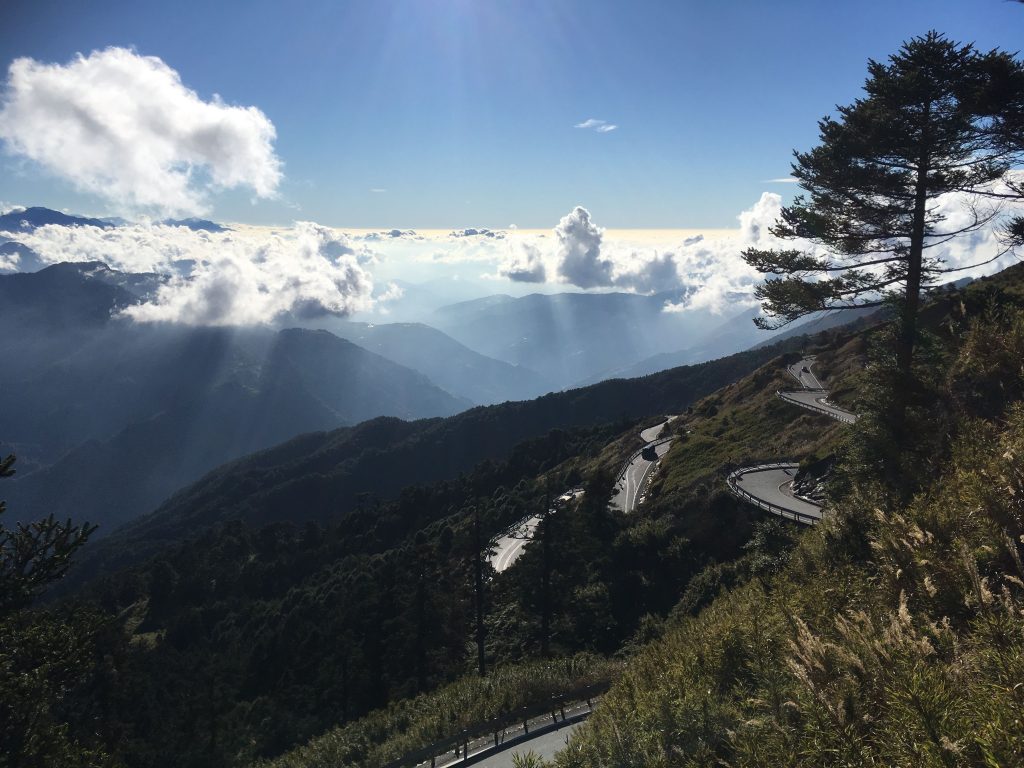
(330, 601)
(249, 640)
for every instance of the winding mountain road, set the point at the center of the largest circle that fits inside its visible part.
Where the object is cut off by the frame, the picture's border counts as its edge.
(813, 396)
(770, 486)
(632, 481)
(629, 490)
(801, 371)
(508, 547)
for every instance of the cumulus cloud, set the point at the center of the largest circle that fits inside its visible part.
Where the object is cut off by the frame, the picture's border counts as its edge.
(755, 221)
(524, 264)
(390, 234)
(474, 232)
(593, 124)
(579, 251)
(715, 270)
(659, 273)
(228, 278)
(124, 127)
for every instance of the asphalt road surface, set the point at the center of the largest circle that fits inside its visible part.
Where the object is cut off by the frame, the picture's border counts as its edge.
(802, 372)
(819, 399)
(509, 547)
(651, 434)
(631, 486)
(813, 396)
(774, 486)
(544, 746)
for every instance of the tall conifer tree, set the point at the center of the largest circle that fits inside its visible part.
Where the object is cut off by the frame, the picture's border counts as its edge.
(873, 185)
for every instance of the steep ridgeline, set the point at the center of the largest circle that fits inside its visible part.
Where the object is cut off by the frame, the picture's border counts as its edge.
(323, 476)
(109, 417)
(739, 332)
(452, 366)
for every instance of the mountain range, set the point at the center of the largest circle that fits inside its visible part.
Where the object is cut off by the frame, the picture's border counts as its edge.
(573, 338)
(94, 397)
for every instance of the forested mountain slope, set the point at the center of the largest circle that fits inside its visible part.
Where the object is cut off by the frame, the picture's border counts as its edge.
(323, 476)
(108, 417)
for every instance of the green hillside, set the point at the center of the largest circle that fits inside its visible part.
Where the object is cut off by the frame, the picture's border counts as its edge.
(890, 635)
(257, 634)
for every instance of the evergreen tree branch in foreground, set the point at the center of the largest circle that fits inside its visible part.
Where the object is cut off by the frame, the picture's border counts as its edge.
(934, 121)
(35, 554)
(44, 657)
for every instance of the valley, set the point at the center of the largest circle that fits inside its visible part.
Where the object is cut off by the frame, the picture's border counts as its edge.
(514, 384)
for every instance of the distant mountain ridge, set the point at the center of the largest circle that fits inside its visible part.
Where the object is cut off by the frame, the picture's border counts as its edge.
(572, 337)
(452, 366)
(29, 219)
(91, 396)
(736, 334)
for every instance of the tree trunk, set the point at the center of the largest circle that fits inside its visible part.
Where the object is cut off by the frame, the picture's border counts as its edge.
(907, 339)
(545, 587)
(421, 628)
(479, 589)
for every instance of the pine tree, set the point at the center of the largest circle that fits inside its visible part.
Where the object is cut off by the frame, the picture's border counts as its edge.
(43, 656)
(34, 555)
(927, 126)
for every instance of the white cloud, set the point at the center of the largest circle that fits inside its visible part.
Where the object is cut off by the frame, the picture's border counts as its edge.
(755, 221)
(580, 256)
(524, 264)
(659, 273)
(715, 270)
(783, 180)
(229, 278)
(124, 127)
(579, 251)
(477, 232)
(593, 124)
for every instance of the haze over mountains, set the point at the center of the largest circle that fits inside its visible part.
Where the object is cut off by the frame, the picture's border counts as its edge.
(157, 405)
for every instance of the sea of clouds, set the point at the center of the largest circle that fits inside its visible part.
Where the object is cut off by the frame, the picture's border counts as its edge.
(124, 128)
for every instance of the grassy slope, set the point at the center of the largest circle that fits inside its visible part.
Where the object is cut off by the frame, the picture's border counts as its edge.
(913, 656)
(411, 724)
(893, 635)
(737, 432)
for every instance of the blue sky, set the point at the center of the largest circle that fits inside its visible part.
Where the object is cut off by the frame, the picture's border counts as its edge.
(462, 113)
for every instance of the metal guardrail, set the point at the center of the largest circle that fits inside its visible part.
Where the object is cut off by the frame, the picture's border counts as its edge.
(838, 414)
(632, 456)
(508, 530)
(774, 509)
(495, 726)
